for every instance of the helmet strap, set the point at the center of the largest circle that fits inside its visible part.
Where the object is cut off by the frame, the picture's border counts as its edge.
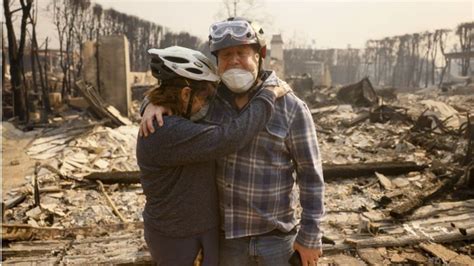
(190, 102)
(260, 66)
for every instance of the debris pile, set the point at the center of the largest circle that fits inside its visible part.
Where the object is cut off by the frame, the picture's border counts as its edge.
(398, 172)
(64, 157)
(414, 216)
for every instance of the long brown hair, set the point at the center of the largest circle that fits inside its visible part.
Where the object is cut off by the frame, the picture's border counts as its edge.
(168, 93)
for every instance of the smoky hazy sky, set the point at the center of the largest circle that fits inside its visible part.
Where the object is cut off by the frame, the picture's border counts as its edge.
(323, 24)
(319, 24)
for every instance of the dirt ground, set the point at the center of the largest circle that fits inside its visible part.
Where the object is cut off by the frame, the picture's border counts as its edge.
(15, 162)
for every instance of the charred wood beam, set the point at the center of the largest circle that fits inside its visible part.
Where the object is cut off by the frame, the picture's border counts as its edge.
(15, 201)
(130, 177)
(330, 171)
(399, 241)
(16, 232)
(421, 198)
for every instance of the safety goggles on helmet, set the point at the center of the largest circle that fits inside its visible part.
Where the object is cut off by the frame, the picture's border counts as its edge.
(238, 29)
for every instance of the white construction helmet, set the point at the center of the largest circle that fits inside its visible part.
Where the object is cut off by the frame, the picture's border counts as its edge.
(176, 61)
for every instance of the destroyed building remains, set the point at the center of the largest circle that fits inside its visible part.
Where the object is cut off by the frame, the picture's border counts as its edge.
(398, 174)
(395, 127)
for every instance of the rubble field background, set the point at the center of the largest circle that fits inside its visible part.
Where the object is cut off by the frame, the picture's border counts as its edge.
(90, 225)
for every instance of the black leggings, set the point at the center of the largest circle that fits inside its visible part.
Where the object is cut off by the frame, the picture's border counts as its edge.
(167, 251)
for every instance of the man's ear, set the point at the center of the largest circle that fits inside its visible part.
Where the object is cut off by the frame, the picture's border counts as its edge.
(185, 94)
(257, 56)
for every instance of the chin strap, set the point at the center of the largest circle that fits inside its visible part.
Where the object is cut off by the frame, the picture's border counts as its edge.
(259, 74)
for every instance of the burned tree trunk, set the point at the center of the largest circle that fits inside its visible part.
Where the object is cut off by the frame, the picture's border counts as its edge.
(46, 67)
(3, 56)
(33, 68)
(15, 53)
(35, 58)
(464, 31)
(442, 42)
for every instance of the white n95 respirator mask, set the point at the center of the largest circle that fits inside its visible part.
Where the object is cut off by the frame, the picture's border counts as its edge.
(238, 80)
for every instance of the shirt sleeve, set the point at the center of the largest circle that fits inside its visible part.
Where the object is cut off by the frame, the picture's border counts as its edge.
(183, 142)
(303, 145)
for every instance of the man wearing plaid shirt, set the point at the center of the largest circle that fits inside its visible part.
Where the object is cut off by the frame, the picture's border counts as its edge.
(258, 186)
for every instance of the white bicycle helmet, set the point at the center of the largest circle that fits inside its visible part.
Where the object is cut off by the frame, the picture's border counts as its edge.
(176, 61)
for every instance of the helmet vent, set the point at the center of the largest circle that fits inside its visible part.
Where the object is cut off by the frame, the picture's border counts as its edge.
(194, 70)
(175, 59)
(206, 64)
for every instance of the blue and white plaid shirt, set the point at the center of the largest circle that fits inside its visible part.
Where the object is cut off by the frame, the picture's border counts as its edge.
(257, 185)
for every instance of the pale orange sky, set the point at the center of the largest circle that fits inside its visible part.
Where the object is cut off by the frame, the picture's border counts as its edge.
(331, 24)
(322, 24)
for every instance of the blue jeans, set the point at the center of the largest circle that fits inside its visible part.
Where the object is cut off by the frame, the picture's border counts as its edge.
(271, 250)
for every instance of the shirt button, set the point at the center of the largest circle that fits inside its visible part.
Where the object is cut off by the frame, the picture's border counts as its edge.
(228, 185)
(228, 205)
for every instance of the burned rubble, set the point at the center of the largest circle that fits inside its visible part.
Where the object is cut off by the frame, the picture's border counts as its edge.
(394, 118)
(398, 174)
(388, 218)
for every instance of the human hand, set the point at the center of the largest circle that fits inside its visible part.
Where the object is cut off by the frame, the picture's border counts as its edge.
(152, 112)
(279, 91)
(309, 256)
